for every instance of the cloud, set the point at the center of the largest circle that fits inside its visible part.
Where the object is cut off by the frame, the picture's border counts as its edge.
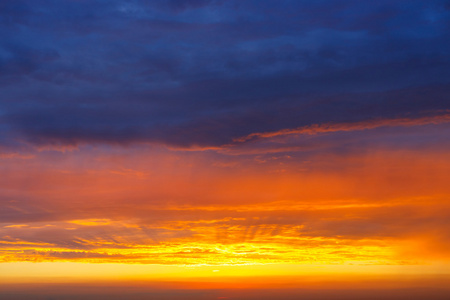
(326, 128)
(224, 132)
(202, 73)
(165, 207)
(282, 233)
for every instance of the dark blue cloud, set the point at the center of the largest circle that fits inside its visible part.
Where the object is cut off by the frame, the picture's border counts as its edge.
(204, 72)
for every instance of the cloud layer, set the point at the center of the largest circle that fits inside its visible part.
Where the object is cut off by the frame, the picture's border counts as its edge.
(225, 133)
(202, 73)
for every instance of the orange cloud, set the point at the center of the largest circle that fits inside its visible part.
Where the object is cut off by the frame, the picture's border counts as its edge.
(354, 126)
(351, 196)
(178, 208)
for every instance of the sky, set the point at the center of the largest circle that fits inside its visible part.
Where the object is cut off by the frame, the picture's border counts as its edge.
(191, 147)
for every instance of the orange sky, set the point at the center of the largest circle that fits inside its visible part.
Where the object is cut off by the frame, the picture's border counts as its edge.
(380, 211)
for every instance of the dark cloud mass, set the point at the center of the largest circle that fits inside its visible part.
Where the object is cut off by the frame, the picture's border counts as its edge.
(206, 72)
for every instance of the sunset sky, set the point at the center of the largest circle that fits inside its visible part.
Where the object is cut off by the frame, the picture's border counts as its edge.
(224, 149)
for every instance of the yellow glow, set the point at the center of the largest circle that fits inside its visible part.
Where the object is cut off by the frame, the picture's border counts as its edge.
(177, 216)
